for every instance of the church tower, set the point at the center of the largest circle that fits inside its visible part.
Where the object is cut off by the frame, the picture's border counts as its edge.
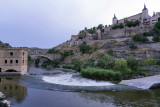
(114, 20)
(144, 14)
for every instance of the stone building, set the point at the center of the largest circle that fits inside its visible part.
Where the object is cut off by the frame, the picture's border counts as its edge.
(14, 60)
(143, 17)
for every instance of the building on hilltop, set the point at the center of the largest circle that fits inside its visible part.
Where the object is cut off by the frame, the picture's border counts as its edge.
(13, 61)
(142, 17)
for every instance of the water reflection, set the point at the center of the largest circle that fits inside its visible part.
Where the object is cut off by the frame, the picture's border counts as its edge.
(150, 98)
(13, 89)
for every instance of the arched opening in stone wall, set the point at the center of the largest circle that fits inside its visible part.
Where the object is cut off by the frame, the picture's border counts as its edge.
(0, 69)
(11, 70)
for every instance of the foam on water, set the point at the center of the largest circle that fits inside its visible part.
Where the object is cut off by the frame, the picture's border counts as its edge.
(71, 80)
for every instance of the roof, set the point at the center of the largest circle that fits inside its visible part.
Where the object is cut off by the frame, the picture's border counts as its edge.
(144, 8)
(114, 17)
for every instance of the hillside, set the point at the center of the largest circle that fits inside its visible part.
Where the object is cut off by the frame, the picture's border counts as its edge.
(120, 42)
(4, 45)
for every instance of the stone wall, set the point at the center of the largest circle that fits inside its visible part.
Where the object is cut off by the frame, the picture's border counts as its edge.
(125, 32)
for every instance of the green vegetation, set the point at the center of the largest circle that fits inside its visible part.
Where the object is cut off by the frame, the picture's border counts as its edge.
(54, 63)
(118, 26)
(132, 24)
(156, 38)
(33, 74)
(132, 46)
(132, 63)
(158, 62)
(67, 66)
(53, 51)
(139, 38)
(121, 65)
(110, 52)
(87, 49)
(29, 60)
(150, 61)
(37, 62)
(101, 74)
(78, 63)
(106, 62)
(90, 62)
(157, 25)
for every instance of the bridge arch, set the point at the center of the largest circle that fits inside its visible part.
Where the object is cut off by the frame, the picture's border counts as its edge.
(45, 57)
(11, 70)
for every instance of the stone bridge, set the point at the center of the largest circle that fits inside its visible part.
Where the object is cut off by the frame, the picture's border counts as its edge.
(47, 56)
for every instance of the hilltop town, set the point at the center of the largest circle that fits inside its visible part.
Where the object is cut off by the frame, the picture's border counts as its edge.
(117, 38)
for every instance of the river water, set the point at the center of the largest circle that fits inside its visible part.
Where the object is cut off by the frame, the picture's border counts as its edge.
(63, 88)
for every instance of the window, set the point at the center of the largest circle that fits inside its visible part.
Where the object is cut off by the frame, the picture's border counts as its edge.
(5, 61)
(11, 61)
(11, 53)
(23, 53)
(17, 61)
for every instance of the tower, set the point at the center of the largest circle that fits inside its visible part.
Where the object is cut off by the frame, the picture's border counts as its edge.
(154, 14)
(144, 14)
(114, 20)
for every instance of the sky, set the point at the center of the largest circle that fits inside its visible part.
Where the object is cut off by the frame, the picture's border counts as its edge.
(47, 23)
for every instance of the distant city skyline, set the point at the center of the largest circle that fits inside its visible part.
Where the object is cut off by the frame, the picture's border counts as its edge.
(47, 23)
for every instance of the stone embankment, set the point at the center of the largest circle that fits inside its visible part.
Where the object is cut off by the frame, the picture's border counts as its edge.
(144, 83)
(4, 103)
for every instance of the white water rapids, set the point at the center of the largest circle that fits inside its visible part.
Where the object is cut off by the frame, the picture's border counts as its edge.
(71, 79)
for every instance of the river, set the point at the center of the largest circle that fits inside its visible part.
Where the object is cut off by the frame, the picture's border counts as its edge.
(63, 88)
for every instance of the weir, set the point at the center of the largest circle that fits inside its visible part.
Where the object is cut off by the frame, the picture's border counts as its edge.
(144, 83)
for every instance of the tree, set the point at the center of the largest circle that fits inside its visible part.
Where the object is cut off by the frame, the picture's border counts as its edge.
(156, 38)
(157, 25)
(139, 38)
(132, 63)
(100, 26)
(105, 61)
(78, 63)
(85, 48)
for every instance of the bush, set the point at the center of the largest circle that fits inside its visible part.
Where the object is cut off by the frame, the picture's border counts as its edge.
(133, 46)
(54, 63)
(77, 63)
(156, 38)
(118, 26)
(37, 62)
(110, 51)
(106, 62)
(132, 63)
(132, 24)
(85, 48)
(139, 38)
(150, 61)
(121, 65)
(67, 66)
(90, 62)
(157, 25)
(53, 51)
(158, 62)
(101, 74)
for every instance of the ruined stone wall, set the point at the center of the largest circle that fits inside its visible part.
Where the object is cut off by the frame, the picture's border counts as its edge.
(125, 32)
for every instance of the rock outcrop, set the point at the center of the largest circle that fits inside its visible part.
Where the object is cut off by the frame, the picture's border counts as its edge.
(4, 103)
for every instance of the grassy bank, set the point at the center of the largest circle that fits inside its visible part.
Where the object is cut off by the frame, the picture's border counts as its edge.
(101, 74)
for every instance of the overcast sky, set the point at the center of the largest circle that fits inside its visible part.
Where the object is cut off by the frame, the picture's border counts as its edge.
(47, 23)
